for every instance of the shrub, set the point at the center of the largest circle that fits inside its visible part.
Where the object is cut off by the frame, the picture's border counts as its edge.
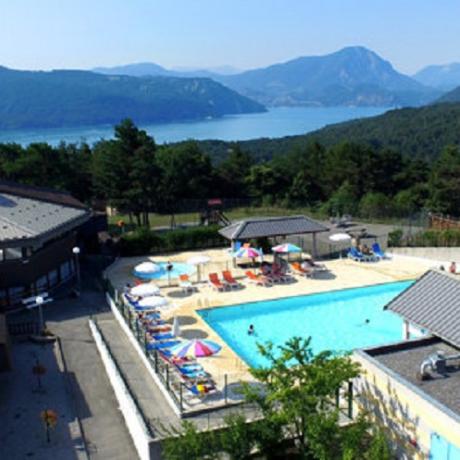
(145, 241)
(395, 238)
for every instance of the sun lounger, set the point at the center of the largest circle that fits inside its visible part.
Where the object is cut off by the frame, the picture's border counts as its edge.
(186, 284)
(166, 356)
(202, 390)
(355, 255)
(215, 282)
(260, 280)
(358, 256)
(377, 250)
(161, 345)
(228, 278)
(164, 336)
(297, 268)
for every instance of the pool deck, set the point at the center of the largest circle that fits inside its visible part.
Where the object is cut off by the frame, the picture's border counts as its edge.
(343, 274)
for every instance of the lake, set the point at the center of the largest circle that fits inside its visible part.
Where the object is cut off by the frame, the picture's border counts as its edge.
(277, 122)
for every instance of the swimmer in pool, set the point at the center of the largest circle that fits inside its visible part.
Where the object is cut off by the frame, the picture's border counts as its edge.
(251, 329)
(367, 321)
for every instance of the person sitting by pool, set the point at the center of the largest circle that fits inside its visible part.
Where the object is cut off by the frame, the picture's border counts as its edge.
(251, 329)
(364, 248)
(453, 268)
(265, 268)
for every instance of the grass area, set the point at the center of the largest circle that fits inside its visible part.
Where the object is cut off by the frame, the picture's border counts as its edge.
(164, 220)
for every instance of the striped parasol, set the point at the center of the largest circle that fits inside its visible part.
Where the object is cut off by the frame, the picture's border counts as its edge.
(286, 248)
(195, 349)
(248, 253)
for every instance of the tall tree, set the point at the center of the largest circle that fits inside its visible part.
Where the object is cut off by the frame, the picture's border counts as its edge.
(445, 183)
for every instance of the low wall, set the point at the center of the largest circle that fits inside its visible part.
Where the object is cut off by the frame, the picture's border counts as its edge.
(440, 255)
(134, 422)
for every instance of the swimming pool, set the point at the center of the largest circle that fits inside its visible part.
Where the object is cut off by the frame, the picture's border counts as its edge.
(178, 269)
(335, 320)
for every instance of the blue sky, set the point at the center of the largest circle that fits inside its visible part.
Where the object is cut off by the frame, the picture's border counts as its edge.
(44, 34)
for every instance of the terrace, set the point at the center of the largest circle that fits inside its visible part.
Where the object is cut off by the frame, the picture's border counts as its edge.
(227, 368)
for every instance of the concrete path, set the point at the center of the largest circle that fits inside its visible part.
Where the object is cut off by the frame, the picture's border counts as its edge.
(96, 405)
(149, 396)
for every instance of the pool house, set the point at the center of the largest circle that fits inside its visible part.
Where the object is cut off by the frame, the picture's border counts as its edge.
(273, 227)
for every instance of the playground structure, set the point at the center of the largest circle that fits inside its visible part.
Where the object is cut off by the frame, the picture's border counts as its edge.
(213, 213)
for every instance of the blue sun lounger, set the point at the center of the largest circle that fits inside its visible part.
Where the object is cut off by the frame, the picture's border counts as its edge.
(356, 255)
(161, 345)
(377, 250)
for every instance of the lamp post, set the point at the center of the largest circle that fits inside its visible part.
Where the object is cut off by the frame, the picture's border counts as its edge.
(76, 252)
(39, 301)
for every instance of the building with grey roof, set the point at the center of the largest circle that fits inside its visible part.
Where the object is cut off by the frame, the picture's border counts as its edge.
(37, 233)
(272, 227)
(413, 386)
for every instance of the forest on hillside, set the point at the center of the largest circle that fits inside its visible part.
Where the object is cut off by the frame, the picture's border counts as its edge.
(136, 176)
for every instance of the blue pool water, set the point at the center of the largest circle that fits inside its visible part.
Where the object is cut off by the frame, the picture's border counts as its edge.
(335, 321)
(178, 269)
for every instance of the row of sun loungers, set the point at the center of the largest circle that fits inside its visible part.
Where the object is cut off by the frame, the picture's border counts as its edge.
(160, 339)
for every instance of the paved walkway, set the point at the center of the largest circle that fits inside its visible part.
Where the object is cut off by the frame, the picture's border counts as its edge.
(22, 431)
(103, 424)
(149, 396)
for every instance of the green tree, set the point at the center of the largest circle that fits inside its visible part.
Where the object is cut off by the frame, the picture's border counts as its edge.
(298, 389)
(186, 173)
(188, 443)
(375, 205)
(233, 173)
(444, 186)
(125, 171)
(343, 201)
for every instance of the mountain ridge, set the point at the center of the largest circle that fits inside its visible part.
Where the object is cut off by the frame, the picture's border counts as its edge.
(65, 98)
(352, 76)
(445, 77)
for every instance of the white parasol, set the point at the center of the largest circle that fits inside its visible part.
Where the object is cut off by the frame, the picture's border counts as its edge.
(198, 260)
(153, 302)
(145, 290)
(338, 237)
(147, 267)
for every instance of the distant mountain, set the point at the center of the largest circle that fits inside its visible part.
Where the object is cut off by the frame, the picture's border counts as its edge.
(443, 77)
(351, 76)
(141, 69)
(451, 96)
(221, 70)
(150, 69)
(75, 98)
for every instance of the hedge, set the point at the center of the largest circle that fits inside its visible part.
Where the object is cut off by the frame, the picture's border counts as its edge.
(145, 241)
(427, 238)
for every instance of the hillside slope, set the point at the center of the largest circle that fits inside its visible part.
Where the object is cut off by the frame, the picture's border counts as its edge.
(451, 96)
(76, 98)
(415, 132)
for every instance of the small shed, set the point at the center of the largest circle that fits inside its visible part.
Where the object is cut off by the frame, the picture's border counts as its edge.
(272, 227)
